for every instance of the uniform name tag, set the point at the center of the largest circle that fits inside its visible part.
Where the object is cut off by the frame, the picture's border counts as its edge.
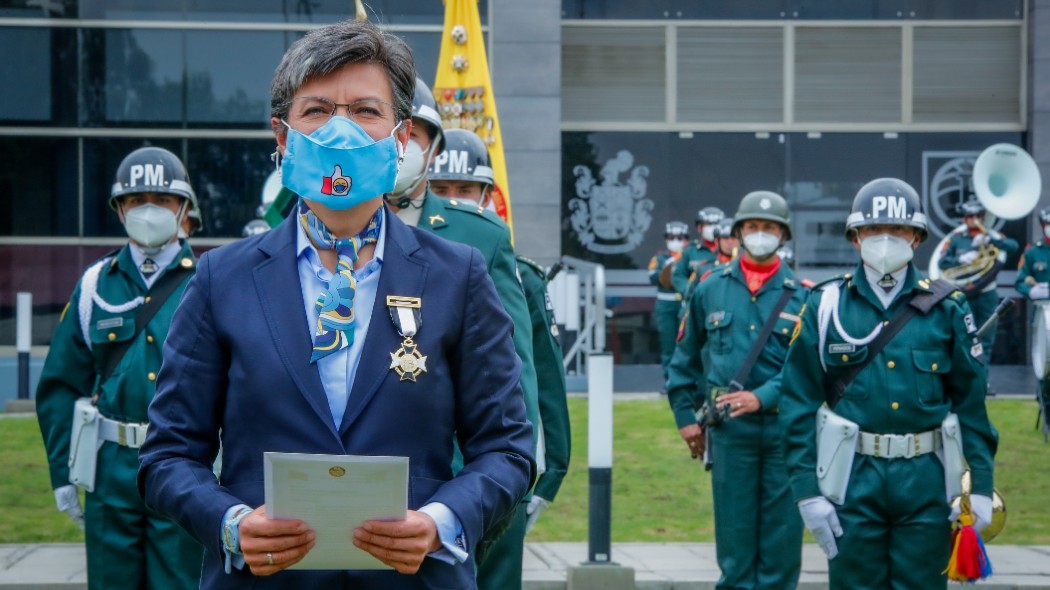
(109, 323)
(787, 316)
(833, 348)
(716, 316)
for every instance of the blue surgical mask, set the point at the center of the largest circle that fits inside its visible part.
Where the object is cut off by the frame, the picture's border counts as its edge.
(339, 165)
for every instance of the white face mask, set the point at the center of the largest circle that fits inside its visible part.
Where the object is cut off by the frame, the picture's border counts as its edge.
(412, 169)
(1046, 231)
(708, 233)
(150, 225)
(885, 253)
(760, 244)
(675, 245)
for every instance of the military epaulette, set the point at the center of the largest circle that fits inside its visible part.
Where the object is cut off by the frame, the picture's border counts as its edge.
(836, 278)
(530, 263)
(473, 209)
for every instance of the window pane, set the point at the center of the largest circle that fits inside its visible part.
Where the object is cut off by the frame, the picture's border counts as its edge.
(26, 96)
(223, 86)
(38, 181)
(144, 76)
(313, 11)
(730, 74)
(967, 74)
(847, 74)
(228, 176)
(613, 74)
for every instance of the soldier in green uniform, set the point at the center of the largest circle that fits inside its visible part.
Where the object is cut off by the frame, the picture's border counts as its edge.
(100, 352)
(550, 377)
(1033, 276)
(752, 304)
(728, 247)
(879, 508)
(455, 164)
(963, 249)
(668, 301)
(700, 254)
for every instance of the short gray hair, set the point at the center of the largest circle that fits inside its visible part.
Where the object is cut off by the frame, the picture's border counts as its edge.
(323, 51)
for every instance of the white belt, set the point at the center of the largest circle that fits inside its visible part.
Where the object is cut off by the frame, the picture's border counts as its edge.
(669, 296)
(895, 446)
(124, 434)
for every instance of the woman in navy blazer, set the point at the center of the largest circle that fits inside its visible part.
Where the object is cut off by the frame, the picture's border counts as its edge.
(237, 370)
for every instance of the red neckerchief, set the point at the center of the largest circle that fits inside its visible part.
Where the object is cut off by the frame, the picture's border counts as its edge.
(973, 231)
(712, 246)
(723, 258)
(756, 274)
(1047, 240)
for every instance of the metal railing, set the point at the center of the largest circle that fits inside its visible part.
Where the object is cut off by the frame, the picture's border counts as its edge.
(578, 293)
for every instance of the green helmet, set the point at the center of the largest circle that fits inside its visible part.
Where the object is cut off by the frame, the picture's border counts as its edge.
(763, 205)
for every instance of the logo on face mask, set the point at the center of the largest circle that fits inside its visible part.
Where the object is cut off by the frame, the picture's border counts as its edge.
(336, 184)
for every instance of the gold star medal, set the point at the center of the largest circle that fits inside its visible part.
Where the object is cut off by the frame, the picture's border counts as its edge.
(407, 361)
(406, 313)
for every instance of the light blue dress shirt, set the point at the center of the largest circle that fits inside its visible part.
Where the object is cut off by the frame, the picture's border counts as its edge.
(338, 370)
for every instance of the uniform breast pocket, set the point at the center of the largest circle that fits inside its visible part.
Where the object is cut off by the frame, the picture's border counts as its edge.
(842, 357)
(717, 325)
(930, 368)
(105, 333)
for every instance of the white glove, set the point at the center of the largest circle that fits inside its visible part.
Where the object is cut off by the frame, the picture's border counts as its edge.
(68, 501)
(980, 240)
(967, 257)
(670, 260)
(820, 518)
(981, 507)
(1039, 291)
(534, 509)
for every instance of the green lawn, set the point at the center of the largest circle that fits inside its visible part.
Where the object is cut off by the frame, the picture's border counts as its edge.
(659, 493)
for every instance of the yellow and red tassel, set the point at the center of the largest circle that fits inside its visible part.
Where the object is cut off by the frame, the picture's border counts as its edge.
(969, 561)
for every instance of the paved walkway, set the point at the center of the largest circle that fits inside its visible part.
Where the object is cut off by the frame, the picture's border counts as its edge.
(657, 566)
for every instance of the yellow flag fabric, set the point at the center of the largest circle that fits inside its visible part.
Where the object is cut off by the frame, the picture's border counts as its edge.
(463, 91)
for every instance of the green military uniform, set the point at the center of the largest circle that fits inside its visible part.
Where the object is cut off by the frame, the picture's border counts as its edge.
(697, 257)
(1034, 268)
(667, 309)
(894, 518)
(467, 223)
(128, 545)
(758, 532)
(983, 303)
(501, 566)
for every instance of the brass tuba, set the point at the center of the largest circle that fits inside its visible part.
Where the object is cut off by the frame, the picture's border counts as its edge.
(998, 509)
(1007, 183)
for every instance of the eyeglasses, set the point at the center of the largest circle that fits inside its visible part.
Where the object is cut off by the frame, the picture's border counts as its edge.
(315, 111)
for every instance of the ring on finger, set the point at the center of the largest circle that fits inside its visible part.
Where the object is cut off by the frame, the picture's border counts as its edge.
(269, 558)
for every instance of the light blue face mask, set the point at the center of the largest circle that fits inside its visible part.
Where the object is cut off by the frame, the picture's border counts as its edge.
(339, 165)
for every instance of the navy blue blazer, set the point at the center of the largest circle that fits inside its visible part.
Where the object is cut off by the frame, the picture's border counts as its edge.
(236, 361)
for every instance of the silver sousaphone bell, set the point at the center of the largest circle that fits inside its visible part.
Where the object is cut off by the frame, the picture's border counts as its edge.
(1006, 181)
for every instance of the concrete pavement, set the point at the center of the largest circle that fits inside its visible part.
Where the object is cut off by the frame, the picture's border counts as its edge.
(657, 566)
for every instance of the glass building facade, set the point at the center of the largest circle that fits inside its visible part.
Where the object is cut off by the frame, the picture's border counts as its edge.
(693, 103)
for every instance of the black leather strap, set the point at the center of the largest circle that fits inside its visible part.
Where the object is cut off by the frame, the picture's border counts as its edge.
(158, 295)
(921, 303)
(737, 384)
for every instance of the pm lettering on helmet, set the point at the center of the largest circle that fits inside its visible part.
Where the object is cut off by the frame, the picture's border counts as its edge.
(454, 161)
(894, 207)
(150, 174)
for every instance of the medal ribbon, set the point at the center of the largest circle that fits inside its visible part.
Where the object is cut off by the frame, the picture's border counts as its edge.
(335, 306)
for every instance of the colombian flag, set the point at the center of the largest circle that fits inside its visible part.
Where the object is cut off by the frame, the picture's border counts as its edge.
(463, 90)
